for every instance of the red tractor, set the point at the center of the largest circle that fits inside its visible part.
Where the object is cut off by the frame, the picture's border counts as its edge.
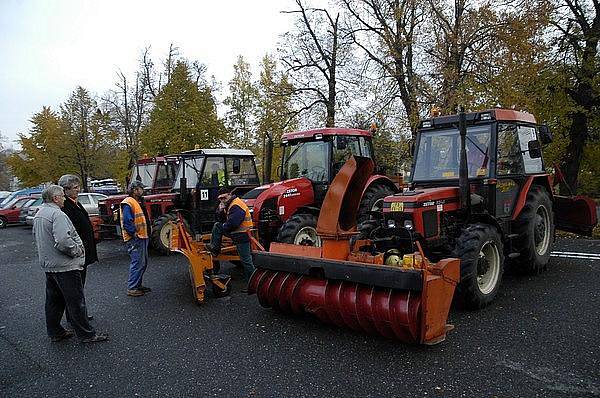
(479, 192)
(157, 174)
(287, 211)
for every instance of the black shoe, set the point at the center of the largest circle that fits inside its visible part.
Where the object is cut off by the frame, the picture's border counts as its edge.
(90, 317)
(212, 250)
(244, 290)
(144, 289)
(95, 338)
(67, 334)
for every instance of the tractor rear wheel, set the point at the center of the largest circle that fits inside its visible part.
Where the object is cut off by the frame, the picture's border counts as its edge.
(535, 227)
(161, 233)
(372, 200)
(480, 250)
(300, 229)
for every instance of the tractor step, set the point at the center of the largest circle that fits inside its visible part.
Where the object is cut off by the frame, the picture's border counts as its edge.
(514, 255)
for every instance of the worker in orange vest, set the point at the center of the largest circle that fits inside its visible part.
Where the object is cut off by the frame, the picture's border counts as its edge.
(233, 220)
(134, 229)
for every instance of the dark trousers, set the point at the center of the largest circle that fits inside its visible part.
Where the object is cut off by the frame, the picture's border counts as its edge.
(64, 290)
(242, 245)
(83, 275)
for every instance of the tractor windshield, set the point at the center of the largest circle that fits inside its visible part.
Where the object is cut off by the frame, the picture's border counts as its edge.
(308, 159)
(193, 168)
(144, 173)
(165, 176)
(438, 154)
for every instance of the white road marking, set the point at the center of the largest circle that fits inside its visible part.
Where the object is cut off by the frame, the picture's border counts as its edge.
(576, 255)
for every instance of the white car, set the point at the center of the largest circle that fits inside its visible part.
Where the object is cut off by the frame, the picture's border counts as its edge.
(89, 201)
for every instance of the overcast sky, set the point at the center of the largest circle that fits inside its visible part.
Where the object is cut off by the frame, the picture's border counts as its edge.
(47, 48)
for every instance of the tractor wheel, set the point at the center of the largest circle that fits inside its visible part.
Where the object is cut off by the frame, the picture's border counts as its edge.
(366, 227)
(161, 233)
(535, 227)
(3, 222)
(481, 255)
(372, 200)
(300, 229)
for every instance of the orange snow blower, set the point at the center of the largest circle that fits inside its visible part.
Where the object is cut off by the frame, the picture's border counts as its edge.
(346, 283)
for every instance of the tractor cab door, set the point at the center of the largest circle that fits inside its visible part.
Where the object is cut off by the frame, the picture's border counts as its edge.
(212, 178)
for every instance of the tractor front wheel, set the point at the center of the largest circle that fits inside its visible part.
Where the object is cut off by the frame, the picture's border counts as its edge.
(481, 263)
(161, 233)
(535, 227)
(300, 229)
(372, 200)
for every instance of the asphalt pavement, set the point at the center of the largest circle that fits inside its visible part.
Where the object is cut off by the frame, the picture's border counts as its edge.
(538, 339)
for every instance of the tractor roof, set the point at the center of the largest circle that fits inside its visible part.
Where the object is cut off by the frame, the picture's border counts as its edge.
(473, 117)
(157, 159)
(324, 131)
(218, 152)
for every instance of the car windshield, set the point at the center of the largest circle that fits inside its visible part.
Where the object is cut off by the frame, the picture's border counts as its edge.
(146, 173)
(193, 168)
(438, 153)
(306, 159)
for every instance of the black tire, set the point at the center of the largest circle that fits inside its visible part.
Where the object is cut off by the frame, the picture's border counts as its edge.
(372, 200)
(481, 255)
(366, 227)
(535, 227)
(300, 229)
(161, 234)
(3, 222)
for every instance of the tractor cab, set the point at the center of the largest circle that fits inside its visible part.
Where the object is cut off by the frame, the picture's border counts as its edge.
(318, 155)
(157, 173)
(202, 172)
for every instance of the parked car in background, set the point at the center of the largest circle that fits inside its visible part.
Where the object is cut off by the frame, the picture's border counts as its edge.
(108, 186)
(11, 199)
(10, 214)
(89, 201)
(32, 207)
(4, 195)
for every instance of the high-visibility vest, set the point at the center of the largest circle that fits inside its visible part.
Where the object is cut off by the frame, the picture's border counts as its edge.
(246, 225)
(138, 219)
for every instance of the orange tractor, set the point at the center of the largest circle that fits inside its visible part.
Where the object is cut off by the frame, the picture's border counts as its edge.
(479, 195)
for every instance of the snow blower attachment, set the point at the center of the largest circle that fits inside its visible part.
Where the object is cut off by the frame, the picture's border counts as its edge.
(203, 265)
(346, 283)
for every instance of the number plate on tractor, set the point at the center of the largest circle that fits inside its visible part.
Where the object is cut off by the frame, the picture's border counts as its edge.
(397, 206)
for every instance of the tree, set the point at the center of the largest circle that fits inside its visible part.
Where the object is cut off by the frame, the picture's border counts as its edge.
(386, 31)
(88, 135)
(242, 102)
(315, 55)
(183, 116)
(577, 27)
(42, 157)
(5, 175)
(275, 114)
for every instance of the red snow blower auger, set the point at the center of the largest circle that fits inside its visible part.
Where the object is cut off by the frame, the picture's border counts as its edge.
(346, 282)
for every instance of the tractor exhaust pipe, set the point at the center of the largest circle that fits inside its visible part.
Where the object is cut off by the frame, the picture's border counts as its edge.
(463, 173)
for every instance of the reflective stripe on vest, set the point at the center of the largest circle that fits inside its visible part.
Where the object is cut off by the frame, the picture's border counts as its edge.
(246, 224)
(138, 220)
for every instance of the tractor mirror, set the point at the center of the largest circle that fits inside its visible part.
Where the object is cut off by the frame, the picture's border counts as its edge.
(236, 166)
(545, 134)
(341, 143)
(535, 149)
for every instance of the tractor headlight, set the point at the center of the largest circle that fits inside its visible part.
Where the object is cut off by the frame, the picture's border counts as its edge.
(391, 223)
(408, 224)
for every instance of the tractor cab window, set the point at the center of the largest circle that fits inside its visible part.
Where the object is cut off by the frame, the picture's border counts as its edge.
(509, 151)
(438, 154)
(307, 159)
(192, 168)
(241, 171)
(214, 173)
(165, 175)
(346, 146)
(144, 173)
(531, 164)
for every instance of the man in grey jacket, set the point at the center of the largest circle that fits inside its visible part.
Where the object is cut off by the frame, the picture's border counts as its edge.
(62, 256)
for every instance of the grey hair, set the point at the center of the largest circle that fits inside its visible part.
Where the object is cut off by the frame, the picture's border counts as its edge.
(50, 192)
(133, 185)
(67, 181)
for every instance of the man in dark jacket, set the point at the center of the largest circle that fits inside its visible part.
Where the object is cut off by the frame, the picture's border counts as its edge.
(80, 219)
(234, 221)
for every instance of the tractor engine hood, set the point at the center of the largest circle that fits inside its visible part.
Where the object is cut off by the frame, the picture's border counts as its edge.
(440, 199)
(285, 193)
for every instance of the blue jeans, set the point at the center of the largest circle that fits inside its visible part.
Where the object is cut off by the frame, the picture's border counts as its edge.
(138, 252)
(242, 245)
